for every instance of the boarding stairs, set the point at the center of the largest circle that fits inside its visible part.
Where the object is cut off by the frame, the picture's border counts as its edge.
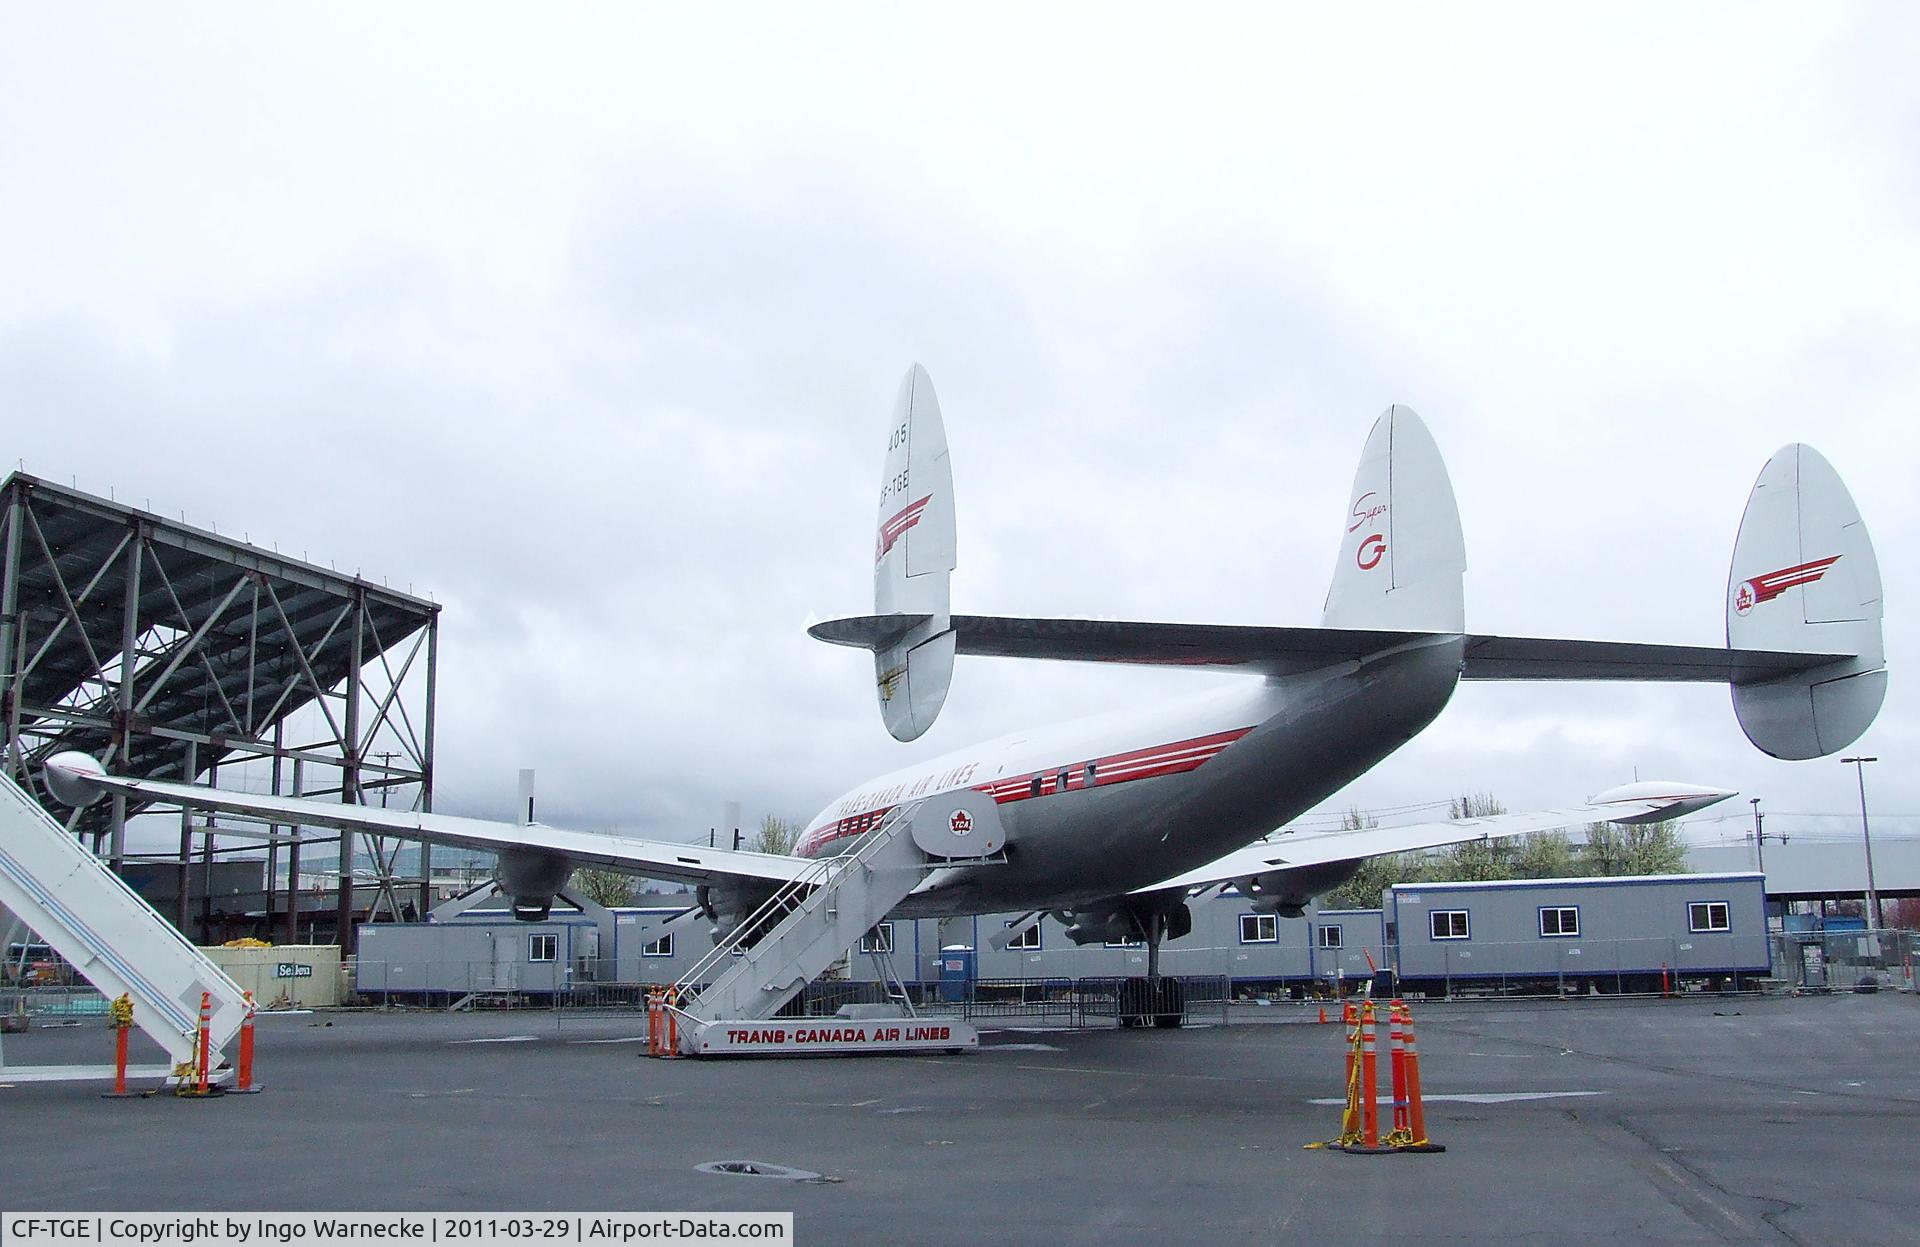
(111, 937)
(809, 924)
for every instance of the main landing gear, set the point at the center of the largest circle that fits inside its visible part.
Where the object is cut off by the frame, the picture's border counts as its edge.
(1153, 1000)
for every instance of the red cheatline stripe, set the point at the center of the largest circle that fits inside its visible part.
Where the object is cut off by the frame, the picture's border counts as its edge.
(1170, 759)
(1156, 760)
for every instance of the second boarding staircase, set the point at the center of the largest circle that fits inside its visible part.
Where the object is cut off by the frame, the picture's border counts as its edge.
(814, 921)
(108, 933)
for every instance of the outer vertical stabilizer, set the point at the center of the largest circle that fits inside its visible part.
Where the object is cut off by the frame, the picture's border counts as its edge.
(914, 561)
(1402, 557)
(1804, 580)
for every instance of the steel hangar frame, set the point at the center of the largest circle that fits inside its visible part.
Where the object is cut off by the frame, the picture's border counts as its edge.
(169, 652)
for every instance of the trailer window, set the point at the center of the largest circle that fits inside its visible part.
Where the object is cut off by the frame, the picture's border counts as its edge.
(543, 947)
(1561, 920)
(662, 947)
(1448, 924)
(878, 940)
(1259, 929)
(1330, 935)
(1029, 938)
(1709, 916)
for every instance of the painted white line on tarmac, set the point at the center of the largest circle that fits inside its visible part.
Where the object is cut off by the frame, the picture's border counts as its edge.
(1488, 1097)
(500, 1039)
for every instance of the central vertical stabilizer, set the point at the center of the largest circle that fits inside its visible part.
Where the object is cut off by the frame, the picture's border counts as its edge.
(1402, 557)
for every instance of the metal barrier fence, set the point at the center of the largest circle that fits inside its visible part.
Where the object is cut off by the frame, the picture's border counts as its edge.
(483, 985)
(1845, 960)
(76, 1001)
(1199, 997)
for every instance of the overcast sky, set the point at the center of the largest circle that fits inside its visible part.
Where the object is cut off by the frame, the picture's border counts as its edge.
(587, 322)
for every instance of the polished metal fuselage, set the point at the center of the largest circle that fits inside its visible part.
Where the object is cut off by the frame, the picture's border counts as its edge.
(1306, 737)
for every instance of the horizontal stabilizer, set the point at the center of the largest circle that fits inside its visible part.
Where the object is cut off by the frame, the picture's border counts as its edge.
(1635, 803)
(1542, 658)
(1285, 651)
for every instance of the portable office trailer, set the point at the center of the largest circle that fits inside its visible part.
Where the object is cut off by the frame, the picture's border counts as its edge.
(1609, 934)
(1229, 938)
(488, 950)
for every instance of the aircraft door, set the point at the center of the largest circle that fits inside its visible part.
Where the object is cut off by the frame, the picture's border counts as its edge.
(959, 825)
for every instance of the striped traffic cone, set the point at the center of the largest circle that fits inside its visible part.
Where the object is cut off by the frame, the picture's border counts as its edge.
(1416, 1110)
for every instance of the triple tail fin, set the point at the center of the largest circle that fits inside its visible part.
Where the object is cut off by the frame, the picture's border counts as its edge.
(1804, 580)
(1402, 558)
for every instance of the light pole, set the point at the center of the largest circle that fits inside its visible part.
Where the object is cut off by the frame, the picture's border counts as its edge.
(1759, 840)
(1866, 837)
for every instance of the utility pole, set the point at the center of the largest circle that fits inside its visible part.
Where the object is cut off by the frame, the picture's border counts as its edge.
(1759, 840)
(1866, 838)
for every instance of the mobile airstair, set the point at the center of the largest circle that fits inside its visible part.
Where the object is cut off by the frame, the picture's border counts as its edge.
(726, 1003)
(110, 936)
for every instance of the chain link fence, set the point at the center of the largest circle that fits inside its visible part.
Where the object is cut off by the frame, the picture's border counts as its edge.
(1846, 960)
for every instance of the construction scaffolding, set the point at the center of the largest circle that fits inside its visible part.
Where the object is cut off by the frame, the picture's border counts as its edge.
(172, 652)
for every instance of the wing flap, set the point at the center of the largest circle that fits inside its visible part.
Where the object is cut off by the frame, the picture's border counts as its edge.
(655, 859)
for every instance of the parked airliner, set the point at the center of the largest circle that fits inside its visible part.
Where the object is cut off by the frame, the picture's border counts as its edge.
(1111, 823)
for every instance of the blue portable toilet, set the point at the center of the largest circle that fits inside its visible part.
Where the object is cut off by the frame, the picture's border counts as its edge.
(956, 972)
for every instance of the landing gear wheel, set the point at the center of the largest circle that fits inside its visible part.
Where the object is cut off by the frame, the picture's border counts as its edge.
(1169, 1004)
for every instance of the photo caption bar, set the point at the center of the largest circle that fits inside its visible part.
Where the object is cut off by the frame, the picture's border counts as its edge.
(467, 1229)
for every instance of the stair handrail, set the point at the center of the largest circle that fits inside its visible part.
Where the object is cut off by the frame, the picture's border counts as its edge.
(793, 895)
(814, 874)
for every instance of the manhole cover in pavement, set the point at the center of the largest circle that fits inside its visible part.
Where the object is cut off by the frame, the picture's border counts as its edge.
(758, 1169)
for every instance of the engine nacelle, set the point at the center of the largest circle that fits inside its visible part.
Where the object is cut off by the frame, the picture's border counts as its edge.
(1288, 892)
(532, 877)
(1127, 918)
(727, 905)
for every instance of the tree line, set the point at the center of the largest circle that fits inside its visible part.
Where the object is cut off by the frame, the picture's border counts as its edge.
(614, 888)
(1608, 849)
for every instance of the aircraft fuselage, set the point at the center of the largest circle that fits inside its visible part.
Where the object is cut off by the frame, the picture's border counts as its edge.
(1099, 807)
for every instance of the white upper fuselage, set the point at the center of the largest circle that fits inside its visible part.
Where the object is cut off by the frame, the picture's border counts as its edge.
(1097, 807)
(1122, 746)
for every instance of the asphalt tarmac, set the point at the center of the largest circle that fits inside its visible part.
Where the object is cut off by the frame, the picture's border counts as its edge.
(1689, 1121)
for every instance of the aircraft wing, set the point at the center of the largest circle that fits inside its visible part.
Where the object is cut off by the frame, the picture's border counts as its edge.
(1636, 803)
(655, 859)
(1284, 651)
